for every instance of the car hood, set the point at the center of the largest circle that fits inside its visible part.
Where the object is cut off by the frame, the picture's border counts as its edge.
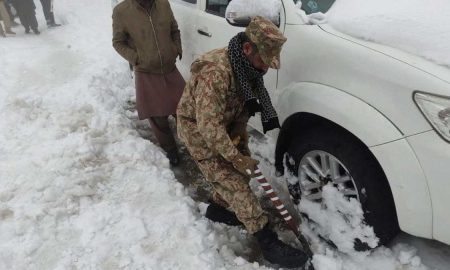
(441, 72)
(383, 77)
(413, 26)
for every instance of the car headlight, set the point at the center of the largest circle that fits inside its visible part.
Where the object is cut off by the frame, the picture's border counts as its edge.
(436, 110)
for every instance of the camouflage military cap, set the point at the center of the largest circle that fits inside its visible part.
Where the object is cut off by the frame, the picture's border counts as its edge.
(267, 38)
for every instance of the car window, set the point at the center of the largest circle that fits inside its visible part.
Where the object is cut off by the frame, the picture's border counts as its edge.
(217, 7)
(314, 6)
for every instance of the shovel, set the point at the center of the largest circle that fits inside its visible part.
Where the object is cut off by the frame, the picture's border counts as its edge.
(279, 205)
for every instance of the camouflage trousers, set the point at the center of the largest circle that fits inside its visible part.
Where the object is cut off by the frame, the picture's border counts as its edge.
(232, 190)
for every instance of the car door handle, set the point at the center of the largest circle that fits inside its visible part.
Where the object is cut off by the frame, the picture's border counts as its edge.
(204, 33)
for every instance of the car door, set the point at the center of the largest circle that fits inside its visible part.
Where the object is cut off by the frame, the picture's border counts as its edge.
(215, 32)
(212, 28)
(186, 13)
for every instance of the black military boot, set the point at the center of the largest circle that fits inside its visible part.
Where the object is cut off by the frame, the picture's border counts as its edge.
(218, 213)
(277, 252)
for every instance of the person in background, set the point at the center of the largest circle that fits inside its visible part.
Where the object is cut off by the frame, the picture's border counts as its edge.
(11, 15)
(146, 34)
(26, 9)
(6, 20)
(47, 7)
(227, 87)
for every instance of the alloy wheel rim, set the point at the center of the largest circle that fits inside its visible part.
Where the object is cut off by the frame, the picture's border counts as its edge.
(318, 168)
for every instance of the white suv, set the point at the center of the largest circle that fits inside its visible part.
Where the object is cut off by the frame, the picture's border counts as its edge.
(369, 118)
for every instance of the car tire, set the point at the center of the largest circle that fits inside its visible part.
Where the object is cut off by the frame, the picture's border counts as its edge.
(371, 183)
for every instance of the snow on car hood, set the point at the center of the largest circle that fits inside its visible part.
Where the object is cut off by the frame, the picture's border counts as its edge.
(415, 26)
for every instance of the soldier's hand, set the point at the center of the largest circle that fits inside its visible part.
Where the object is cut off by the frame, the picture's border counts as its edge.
(245, 165)
(180, 56)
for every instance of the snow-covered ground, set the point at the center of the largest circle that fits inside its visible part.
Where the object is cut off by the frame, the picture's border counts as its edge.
(81, 189)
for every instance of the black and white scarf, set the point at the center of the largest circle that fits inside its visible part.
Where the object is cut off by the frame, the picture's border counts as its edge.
(257, 100)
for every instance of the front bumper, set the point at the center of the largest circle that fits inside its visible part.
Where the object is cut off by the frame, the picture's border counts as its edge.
(408, 185)
(433, 154)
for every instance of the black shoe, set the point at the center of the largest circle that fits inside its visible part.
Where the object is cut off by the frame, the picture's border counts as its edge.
(10, 32)
(172, 155)
(277, 252)
(2, 35)
(36, 32)
(27, 31)
(218, 213)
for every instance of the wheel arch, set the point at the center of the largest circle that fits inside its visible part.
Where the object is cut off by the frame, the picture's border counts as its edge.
(298, 122)
(306, 105)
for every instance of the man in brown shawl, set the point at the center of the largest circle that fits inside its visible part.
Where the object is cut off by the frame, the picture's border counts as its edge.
(146, 34)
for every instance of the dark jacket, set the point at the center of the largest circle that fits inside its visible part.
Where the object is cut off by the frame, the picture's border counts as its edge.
(23, 5)
(150, 41)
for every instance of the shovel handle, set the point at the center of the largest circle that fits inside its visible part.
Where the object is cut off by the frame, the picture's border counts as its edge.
(279, 205)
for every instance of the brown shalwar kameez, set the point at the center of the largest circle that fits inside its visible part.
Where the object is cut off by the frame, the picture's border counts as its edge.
(146, 34)
(157, 96)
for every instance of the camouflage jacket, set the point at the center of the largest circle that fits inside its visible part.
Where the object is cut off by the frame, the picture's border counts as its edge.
(211, 111)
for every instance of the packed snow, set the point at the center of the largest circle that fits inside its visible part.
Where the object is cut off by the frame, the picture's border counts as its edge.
(81, 189)
(268, 8)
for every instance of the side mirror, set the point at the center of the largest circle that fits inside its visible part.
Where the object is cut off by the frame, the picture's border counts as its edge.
(240, 12)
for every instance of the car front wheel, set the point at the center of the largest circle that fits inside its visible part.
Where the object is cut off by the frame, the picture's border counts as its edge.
(330, 155)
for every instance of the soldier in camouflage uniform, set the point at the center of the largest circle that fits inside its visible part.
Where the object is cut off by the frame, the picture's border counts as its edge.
(225, 88)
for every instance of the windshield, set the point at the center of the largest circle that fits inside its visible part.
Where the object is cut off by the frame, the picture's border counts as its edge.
(314, 6)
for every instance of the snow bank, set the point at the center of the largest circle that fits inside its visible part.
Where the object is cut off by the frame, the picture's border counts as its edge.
(79, 188)
(339, 220)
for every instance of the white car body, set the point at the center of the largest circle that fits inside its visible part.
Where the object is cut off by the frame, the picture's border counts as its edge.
(363, 87)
